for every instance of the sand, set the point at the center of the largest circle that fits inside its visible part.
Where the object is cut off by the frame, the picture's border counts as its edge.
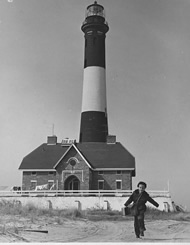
(82, 230)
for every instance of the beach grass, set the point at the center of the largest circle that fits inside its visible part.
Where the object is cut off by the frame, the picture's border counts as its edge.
(95, 214)
(155, 214)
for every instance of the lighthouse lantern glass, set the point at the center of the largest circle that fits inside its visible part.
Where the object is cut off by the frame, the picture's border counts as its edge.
(95, 10)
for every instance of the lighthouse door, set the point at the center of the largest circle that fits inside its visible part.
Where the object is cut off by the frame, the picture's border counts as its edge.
(72, 183)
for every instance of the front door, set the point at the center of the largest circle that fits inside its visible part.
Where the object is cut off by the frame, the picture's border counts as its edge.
(72, 183)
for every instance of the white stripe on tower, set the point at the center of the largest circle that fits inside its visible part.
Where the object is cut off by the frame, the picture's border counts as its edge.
(94, 125)
(94, 89)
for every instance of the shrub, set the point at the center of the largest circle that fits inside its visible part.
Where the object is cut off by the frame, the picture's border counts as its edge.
(154, 214)
(102, 214)
(71, 213)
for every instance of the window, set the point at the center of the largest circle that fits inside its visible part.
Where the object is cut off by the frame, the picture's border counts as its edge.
(73, 161)
(50, 184)
(100, 32)
(50, 173)
(33, 184)
(100, 172)
(100, 184)
(89, 32)
(33, 173)
(118, 184)
(118, 172)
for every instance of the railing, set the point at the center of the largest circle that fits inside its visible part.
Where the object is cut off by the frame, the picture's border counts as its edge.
(88, 193)
(86, 22)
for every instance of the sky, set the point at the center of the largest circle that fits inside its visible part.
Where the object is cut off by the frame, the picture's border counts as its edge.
(147, 79)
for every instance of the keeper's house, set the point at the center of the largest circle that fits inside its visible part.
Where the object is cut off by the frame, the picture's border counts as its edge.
(78, 166)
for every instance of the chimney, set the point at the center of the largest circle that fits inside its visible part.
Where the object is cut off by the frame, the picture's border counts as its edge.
(52, 140)
(111, 139)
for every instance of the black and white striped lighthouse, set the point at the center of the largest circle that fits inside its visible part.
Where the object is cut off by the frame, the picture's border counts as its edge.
(94, 123)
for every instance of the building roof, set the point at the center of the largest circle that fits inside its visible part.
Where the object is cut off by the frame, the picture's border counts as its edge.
(103, 155)
(43, 157)
(98, 155)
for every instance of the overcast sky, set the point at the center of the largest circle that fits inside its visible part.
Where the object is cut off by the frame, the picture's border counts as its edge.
(148, 88)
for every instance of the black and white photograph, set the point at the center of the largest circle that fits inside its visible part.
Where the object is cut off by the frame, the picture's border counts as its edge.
(94, 121)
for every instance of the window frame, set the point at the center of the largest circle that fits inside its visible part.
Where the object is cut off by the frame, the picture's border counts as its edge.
(33, 181)
(52, 182)
(100, 181)
(118, 181)
(51, 173)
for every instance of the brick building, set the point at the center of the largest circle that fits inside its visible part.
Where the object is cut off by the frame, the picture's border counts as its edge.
(78, 166)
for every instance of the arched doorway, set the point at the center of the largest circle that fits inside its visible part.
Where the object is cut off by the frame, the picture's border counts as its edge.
(72, 183)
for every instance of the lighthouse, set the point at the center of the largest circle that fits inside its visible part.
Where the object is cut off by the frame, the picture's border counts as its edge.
(94, 122)
(97, 161)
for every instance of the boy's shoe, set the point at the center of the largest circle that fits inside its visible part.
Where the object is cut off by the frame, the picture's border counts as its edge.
(137, 236)
(142, 233)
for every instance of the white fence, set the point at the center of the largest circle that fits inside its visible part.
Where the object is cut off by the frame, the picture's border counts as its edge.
(116, 193)
(83, 199)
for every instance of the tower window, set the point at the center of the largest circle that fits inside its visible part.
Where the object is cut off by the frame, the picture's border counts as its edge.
(118, 172)
(89, 32)
(33, 173)
(100, 32)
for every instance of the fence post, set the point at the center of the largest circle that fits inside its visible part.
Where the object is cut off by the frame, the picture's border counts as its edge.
(79, 205)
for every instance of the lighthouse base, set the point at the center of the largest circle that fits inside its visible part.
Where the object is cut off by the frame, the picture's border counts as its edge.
(94, 127)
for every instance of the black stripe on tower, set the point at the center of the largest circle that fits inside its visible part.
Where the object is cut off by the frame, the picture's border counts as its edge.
(94, 49)
(95, 29)
(94, 127)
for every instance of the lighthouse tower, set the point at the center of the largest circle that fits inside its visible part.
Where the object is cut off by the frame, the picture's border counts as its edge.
(94, 123)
